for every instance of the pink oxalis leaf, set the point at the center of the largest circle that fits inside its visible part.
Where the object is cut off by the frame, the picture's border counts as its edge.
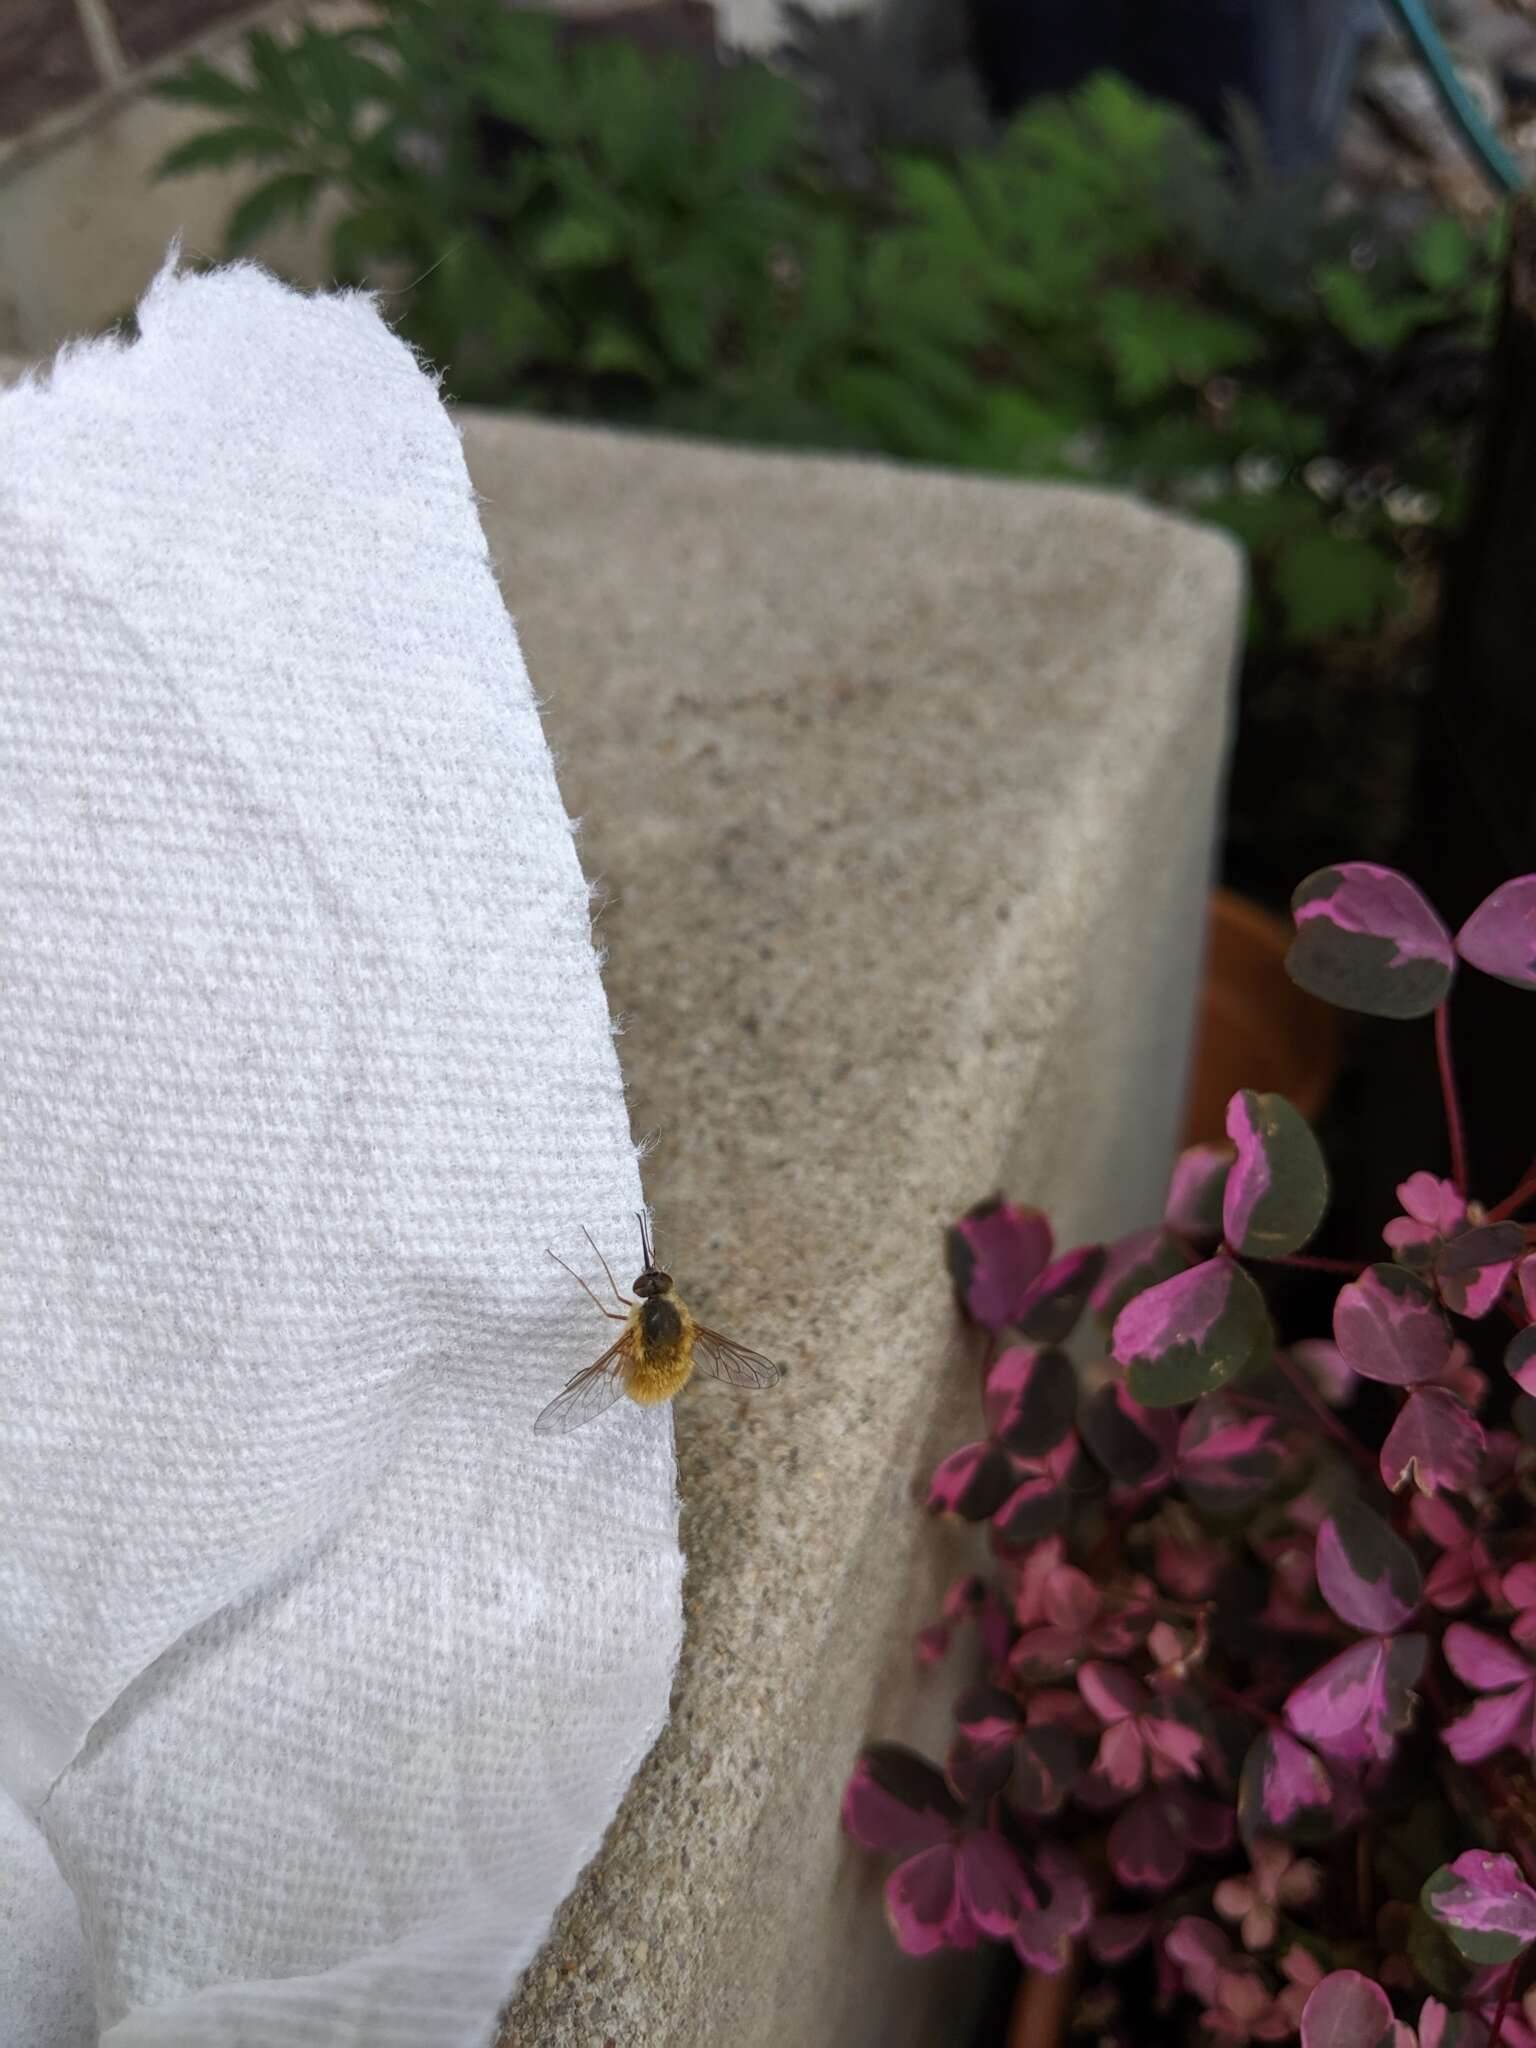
(972, 1482)
(1195, 1192)
(1055, 1910)
(1367, 939)
(1285, 1789)
(1031, 1399)
(1433, 1210)
(1434, 1445)
(1389, 1327)
(996, 1252)
(1277, 1189)
(1050, 1310)
(1347, 2010)
(1132, 1265)
(1365, 1571)
(1355, 1707)
(1191, 1334)
(1506, 1717)
(1485, 1905)
(1500, 935)
(1153, 1840)
(1470, 1270)
(1520, 1359)
(1226, 1459)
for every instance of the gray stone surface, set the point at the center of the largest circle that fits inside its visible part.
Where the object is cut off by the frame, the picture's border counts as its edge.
(900, 789)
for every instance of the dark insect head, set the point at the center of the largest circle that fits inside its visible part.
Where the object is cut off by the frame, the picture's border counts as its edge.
(652, 1281)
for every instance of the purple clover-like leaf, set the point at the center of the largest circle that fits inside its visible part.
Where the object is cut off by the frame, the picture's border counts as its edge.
(1365, 1571)
(1354, 1708)
(1152, 1841)
(1520, 1359)
(996, 1252)
(1134, 1264)
(1277, 1189)
(1191, 1334)
(1135, 1445)
(1196, 1190)
(1485, 1905)
(1439, 2027)
(972, 1482)
(1323, 1363)
(1434, 1445)
(1031, 1399)
(1500, 935)
(896, 1802)
(1047, 1763)
(1284, 1789)
(1388, 1327)
(990, 1883)
(1366, 939)
(1347, 2010)
(1227, 1459)
(1057, 1908)
(922, 1905)
(980, 1757)
(1050, 1310)
(1506, 1717)
(1471, 1270)
(1041, 1501)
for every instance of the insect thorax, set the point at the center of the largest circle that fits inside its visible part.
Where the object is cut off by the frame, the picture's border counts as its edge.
(661, 1326)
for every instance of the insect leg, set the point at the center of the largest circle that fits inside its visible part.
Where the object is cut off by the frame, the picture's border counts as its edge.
(591, 1240)
(587, 1290)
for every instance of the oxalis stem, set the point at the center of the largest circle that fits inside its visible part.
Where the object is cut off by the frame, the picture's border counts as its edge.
(1452, 1100)
(1330, 1423)
(1505, 1995)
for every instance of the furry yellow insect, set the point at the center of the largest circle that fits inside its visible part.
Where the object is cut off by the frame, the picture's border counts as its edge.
(655, 1355)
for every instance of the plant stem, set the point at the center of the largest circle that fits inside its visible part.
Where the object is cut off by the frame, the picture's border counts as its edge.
(1452, 1100)
(1505, 1995)
(1330, 1422)
(1364, 1900)
(1243, 1704)
(1523, 1193)
(1302, 1262)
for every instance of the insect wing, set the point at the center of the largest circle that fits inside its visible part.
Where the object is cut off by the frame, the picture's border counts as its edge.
(725, 1360)
(594, 1388)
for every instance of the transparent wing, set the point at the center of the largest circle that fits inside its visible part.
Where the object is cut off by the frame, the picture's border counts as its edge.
(725, 1360)
(594, 1388)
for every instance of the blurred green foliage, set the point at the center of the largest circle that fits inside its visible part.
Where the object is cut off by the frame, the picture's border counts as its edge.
(1095, 292)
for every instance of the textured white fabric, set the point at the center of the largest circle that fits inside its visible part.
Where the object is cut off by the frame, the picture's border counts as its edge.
(323, 1674)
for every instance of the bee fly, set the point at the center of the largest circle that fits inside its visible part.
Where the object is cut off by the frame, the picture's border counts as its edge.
(656, 1353)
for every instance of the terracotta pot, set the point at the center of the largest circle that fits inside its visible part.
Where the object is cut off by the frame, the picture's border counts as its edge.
(1040, 2009)
(1256, 1028)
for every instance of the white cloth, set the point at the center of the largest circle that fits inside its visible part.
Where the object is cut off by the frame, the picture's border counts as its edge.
(324, 1675)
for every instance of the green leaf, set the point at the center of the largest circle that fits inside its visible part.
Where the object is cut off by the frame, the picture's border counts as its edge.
(612, 350)
(576, 242)
(1375, 326)
(1156, 343)
(757, 129)
(199, 84)
(1442, 254)
(289, 196)
(1331, 584)
(276, 72)
(217, 148)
